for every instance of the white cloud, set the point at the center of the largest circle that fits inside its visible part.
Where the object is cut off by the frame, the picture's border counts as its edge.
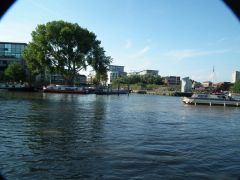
(149, 40)
(140, 52)
(16, 31)
(223, 39)
(201, 77)
(44, 8)
(191, 53)
(128, 44)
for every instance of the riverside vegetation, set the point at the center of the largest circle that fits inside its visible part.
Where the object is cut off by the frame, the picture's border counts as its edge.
(151, 84)
(64, 48)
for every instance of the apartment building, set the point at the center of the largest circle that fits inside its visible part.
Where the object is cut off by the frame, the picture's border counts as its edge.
(114, 72)
(144, 72)
(171, 80)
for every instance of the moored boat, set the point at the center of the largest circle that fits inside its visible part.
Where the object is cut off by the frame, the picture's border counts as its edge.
(22, 89)
(64, 89)
(111, 91)
(18, 87)
(211, 99)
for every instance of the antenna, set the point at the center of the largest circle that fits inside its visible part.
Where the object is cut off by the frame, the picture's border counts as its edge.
(213, 75)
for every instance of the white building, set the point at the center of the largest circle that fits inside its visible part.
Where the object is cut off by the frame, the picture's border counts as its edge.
(132, 73)
(114, 72)
(144, 72)
(235, 76)
(207, 84)
(186, 85)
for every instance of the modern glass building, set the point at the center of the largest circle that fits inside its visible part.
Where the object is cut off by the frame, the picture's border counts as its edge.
(10, 52)
(114, 72)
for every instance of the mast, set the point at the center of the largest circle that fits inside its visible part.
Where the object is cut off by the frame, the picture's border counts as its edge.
(213, 75)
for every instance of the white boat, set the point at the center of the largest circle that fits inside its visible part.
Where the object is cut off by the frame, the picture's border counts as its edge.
(211, 99)
(64, 89)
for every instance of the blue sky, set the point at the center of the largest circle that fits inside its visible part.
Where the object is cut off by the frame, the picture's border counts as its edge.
(184, 38)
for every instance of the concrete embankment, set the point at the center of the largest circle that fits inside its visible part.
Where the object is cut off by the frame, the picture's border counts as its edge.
(164, 93)
(161, 93)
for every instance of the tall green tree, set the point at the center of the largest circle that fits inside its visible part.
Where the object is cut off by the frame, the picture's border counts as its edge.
(64, 48)
(99, 62)
(236, 87)
(14, 72)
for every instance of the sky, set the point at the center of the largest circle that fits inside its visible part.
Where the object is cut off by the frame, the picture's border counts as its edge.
(179, 38)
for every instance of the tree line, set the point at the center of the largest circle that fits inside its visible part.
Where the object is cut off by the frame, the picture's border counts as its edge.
(63, 48)
(139, 79)
(236, 87)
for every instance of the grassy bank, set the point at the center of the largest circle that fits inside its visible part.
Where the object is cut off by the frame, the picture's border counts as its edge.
(151, 88)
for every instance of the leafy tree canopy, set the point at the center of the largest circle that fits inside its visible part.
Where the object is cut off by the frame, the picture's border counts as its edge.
(14, 72)
(236, 87)
(134, 79)
(65, 48)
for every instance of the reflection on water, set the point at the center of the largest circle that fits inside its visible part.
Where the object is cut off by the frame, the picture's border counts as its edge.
(51, 136)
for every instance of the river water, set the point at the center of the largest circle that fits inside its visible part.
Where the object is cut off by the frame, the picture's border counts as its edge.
(64, 136)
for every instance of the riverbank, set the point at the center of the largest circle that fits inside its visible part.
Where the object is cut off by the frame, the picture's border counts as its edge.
(153, 89)
(161, 90)
(161, 93)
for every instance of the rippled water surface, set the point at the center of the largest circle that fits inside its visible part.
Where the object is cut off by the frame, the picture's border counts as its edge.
(60, 136)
